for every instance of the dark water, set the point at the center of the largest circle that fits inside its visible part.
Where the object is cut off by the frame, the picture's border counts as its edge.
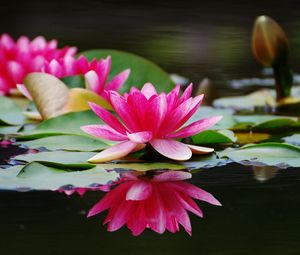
(203, 39)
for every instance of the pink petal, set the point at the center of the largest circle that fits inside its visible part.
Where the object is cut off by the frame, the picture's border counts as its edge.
(172, 149)
(140, 190)
(148, 90)
(7, 42)
(186, 94)
(39, 43)
(92, 81)
(140, 137)
(138, 220)
(23, 44)
(200, 150)
(155, 113)
(195, 192)
(24, 91)
(155, 212)
(16, 70)
(102, 70)
(117, 82)
(108, 118)
(55, 68)
(114, 152)
(172, 176)
(124, 111)
(195, 128)
(114, 196)
(104, 131)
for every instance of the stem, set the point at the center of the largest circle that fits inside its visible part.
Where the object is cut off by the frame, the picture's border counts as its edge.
(283, 79)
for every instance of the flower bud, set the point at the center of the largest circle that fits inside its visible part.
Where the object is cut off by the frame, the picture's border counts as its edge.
(269, 41)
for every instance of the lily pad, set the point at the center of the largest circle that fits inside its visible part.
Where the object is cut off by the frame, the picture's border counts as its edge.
(67, 124)
(10, 112)
(205, 111)
(270, 154)
(39, 177)
(68, 143)
(61, 159)
(293, 139)
(142, 70)
(214, 137)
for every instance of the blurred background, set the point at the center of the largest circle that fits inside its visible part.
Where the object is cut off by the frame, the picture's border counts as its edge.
(195, 39)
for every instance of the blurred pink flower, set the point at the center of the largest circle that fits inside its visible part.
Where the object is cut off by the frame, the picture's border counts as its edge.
(160, 203)
(148, 117)
(19, 58)
(95, 73)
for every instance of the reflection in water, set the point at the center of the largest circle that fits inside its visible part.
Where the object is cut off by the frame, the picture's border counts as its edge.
(264, 173)
(159, 202)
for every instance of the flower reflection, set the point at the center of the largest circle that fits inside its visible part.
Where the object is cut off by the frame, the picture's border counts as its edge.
(160, 202)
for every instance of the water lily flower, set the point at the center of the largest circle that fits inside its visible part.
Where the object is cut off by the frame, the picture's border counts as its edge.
(160, 203)
(18, 58)
(147, 117)
(95, 73)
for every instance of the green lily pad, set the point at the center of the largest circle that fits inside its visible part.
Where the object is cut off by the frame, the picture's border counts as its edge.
(68, 143)
(267, 123)
(271, 154)
(9, 130)
(293, 139)
(142, 70)
(35, 176)
(214, 137)
(205, 111)
(10, 112)
(61, 159)
(67, 124)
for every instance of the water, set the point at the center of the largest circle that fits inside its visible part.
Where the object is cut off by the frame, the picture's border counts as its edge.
(196, 40)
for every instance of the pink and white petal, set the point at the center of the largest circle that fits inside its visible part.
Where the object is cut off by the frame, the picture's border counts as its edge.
(200, 149)
(55, 68)
(92, 82)
(195, 192)
(108, 118)
(172, 149)
(172, 176)
(114, 152)
(195, 127)
(148, 90)
(105, 132)
(102, 70)
(38, 44)
(140, 190)
(140, 137)
(24, 91)
(117, 82)
(6, 42)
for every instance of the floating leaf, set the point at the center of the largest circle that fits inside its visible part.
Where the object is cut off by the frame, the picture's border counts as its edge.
(293, 139)
(205, 111)
(68, 143)
(67, 124)
(214, 137)
(142, 70)
(39, 177)
(271, 154)
(61, 159)
(10, 112)
(251, 137)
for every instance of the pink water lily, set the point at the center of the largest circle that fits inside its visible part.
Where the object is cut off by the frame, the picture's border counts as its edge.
(160, 203)
(18, 58)
(95, 73)
(146, 117)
